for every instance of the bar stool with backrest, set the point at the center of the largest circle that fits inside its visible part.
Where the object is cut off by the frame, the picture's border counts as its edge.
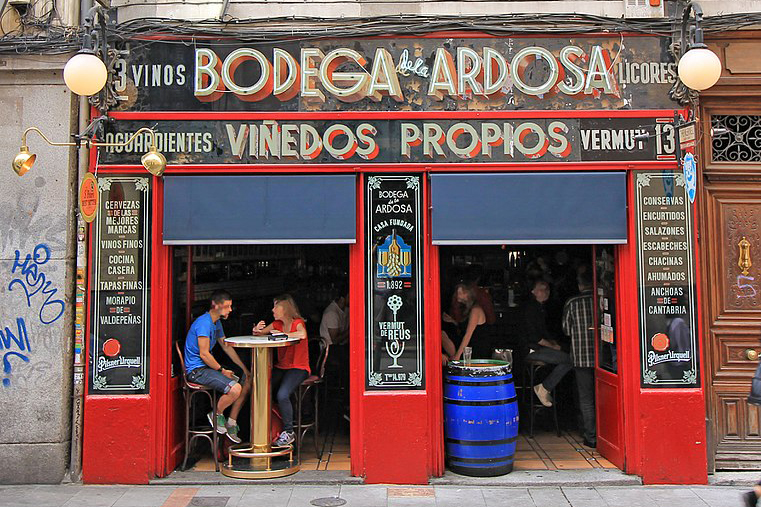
(531, 368)
(312, 383)
(189, 391)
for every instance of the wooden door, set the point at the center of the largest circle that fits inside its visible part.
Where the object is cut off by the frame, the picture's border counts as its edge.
(731, 215)
(610, 442)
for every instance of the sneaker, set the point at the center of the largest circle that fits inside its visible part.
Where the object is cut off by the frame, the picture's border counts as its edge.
(220, 422)
(592, 444)
(232, 433)
(750, 499)
(285, 438)
(543, 395)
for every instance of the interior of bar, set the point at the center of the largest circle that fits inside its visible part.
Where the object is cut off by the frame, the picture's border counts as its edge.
(505, 282)
(316, 276)
(527, 293)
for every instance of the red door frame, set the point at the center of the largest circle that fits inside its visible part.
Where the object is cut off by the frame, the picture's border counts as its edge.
(368, 408)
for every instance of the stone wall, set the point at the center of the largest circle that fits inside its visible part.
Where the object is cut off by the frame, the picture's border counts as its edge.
(36, 259)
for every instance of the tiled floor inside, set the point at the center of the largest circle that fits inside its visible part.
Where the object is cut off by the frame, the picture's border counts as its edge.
(546, 451)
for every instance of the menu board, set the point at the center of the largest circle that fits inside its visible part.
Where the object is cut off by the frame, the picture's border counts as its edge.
(666, 268)
(119, 352)
(395, 355)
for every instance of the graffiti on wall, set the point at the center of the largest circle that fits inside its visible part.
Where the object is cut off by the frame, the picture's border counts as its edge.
(30, 283)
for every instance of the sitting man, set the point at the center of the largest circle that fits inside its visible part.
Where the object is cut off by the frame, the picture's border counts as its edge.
(203, 369)
(541, 344)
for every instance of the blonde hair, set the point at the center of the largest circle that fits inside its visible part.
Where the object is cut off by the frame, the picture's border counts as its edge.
(468, 290)
(290, 306)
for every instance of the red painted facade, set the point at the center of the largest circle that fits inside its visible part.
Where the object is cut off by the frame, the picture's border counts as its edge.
(397, 436)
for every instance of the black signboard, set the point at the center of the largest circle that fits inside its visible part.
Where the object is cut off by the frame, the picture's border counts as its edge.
(398, 74)
(485, 140)
(119, 352)
(395, 355)
(667, 301)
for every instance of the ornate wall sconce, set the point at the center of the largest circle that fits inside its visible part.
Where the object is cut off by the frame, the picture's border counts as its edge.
(153, 161)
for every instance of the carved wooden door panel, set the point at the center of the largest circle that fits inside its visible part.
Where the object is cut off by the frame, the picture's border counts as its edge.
(732, 290)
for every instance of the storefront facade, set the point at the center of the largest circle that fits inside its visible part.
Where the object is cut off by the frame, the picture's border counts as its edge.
(396, 147)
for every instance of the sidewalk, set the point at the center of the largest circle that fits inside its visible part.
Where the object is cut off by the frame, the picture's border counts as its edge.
(260, 495)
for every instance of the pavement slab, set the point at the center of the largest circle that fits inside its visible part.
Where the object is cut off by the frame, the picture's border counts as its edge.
(246, 494)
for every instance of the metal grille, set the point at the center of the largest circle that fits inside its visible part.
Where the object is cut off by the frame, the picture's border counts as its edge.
(736, 138)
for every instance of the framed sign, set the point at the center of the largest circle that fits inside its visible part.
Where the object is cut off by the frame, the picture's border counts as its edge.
(119, 351)
(282, 140)
(612, 71)
(395, 354)
(666, 269)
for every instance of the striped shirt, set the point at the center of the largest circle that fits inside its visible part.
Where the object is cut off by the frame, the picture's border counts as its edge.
(578, 323)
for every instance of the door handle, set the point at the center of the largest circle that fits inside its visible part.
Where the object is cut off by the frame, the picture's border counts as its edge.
(751, 354)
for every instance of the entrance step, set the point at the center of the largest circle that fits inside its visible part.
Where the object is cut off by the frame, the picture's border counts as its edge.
(533, 478)
(304, 477)
(734, 478)
(518, 478)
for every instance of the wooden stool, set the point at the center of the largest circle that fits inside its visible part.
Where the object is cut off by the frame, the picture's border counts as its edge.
(531, 367)
(189, 390)
(313, 381)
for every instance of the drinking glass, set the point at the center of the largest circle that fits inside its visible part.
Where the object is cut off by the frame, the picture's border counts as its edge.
(467, 353)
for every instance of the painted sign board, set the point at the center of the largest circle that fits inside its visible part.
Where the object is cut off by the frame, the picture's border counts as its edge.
(398, 74)
(119, 350)
(667, 293)
(395, 355)
(482, 140)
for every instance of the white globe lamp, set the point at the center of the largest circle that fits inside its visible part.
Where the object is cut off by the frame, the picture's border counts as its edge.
(85, 73)
(699, 68)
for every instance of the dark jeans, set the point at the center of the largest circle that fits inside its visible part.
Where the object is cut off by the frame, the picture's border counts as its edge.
(284, 382)
(585, 383)
(560, 359)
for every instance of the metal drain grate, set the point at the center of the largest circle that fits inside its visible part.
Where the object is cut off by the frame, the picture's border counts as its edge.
(330, 501)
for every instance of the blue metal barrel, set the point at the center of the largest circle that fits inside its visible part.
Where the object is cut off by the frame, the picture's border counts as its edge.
(480, 417)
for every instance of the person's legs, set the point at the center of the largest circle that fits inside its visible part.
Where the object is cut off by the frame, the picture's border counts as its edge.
(228, 398)
(585, 383)
(229, 388)
(560, 359)
(291, 379)
(238, 403)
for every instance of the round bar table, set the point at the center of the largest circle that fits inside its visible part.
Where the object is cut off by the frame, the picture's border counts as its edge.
(260, 450)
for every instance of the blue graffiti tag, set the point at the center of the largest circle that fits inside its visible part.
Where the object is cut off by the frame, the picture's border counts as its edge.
(7, 340)
(32, 280)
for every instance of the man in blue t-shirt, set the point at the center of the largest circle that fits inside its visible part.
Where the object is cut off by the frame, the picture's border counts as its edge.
(202, 368)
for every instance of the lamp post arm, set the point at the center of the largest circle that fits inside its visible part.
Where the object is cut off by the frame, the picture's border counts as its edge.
(132, 138)
(51, 143)
(697, 40)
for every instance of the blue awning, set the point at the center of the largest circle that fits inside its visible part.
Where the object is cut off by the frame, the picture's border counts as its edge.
(214, 210)
(529, 208)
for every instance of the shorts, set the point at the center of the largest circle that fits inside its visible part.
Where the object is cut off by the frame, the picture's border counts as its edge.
(211, 378)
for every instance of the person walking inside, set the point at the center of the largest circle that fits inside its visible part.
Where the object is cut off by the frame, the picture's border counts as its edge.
(578, 323)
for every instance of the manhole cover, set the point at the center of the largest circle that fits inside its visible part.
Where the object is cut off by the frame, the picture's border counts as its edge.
(331, 501)
(209, 501)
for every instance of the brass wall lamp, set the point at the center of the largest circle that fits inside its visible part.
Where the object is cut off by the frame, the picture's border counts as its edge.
(153, 161)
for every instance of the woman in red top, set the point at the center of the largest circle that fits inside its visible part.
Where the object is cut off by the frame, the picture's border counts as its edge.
(292, 366)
